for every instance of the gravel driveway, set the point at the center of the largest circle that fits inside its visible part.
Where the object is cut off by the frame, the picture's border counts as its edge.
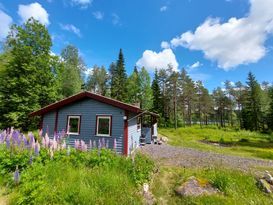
(188, 157)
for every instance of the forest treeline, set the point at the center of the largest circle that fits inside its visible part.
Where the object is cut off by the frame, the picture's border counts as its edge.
(32, 77)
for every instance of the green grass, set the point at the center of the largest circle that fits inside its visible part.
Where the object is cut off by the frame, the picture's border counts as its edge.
(242, 143)
(236, 187)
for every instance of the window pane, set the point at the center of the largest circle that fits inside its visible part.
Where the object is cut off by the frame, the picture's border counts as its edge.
(104, 125)
(73, 123)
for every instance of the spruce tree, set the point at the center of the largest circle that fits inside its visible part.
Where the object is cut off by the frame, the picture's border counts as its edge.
(252, 109)
(156, 94)
(119, 80)
(134, 87)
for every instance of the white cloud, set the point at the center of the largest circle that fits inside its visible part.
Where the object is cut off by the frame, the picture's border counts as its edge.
(165, 45)
(151, 60)
(34, 10)
(5, 24)
(163, 8)
(82, 3)
(98, 15)
(235, 42)
(195, 65)
(116, 19)
(71, 28)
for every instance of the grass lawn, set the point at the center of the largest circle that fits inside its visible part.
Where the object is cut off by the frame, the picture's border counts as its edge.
(225, 141)
(236, 187)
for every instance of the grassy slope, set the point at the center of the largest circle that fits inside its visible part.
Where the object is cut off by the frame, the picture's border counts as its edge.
(242, 143)
(236, 187)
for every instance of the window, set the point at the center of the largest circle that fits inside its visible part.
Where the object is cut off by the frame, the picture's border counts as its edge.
(103, 127)
(138, 123)
(73, 125)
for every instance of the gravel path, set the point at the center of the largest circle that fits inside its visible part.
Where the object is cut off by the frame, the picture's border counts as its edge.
(188, 157)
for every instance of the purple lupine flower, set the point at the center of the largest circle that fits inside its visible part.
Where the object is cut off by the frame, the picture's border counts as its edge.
(31, 137)
(8, 143)
(17, 176)
(103, 142)
(94, 144)
(99, 145)
(30, 159)
(107, 144)
(37, 148)
(63, 133)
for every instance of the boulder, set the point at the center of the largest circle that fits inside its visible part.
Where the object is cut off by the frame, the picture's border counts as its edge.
(268, 177)
(193, 187)
(265, 186)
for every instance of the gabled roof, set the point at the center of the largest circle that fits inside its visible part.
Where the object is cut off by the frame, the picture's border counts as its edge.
(84, 95)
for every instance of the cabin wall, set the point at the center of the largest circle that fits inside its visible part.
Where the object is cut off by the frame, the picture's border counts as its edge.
(88, 109)
(133, 133)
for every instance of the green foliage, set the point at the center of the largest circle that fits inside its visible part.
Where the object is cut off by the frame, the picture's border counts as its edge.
(97, 80)
(71, 76)
(157, 104)
(134, 87)
(96, 177)
(29, 82)
(145, 89)
(221, 181)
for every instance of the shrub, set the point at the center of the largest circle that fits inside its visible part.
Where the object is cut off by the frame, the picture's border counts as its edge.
(220, 181)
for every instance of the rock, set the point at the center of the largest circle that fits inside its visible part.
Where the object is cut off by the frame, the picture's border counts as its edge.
(148, 196)
(268, 177)
(265, 186)
(164, 139)
(193, 187)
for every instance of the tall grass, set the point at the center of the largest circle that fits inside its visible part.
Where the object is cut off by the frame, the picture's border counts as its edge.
(226, 140)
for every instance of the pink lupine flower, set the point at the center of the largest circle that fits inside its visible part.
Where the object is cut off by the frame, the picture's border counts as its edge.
(43, 142)
(40, 132)
(47, 141)
(54, 144)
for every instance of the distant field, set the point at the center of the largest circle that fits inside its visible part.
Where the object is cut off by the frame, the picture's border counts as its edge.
(225, 141)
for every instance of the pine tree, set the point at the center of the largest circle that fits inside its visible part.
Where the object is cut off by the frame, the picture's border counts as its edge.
(119, 80)
(157, 104)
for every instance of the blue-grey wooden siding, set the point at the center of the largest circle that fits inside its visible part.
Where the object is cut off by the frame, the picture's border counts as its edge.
(133, 133)
(88, 109)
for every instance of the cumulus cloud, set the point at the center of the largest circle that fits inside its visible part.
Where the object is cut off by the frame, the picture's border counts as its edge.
(34, 10)
(163, 8)
(161, 60)
(6, 21)
(235, 42)
(165, 45)
(98, 15)
(82, 3)
(71, 28)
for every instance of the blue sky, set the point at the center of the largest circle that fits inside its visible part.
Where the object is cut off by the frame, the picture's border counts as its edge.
(216, 40)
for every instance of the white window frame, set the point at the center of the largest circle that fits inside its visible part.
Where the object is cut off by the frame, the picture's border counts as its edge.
(97, 125)
(68, 124)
